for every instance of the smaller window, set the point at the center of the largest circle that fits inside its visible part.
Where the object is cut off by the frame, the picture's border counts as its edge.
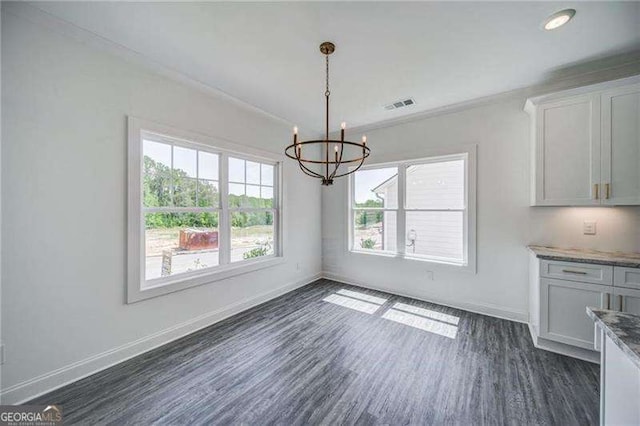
(420, 209)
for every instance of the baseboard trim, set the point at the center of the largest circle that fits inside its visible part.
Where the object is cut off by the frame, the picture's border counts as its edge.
(563, 349)
(478, 308)
(45, 383)
(567, 350)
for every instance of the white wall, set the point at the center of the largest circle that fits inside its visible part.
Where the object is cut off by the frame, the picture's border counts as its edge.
(64, 109)
(1, 341)
(505, 222)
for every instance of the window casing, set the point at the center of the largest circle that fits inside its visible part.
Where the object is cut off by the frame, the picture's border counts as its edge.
(200, 210)
(428, 212)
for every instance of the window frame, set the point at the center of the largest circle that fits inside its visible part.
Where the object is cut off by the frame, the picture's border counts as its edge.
(138, 288)
(468, 154)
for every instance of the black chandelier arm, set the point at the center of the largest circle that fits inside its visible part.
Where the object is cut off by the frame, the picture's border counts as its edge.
(308, 172)
(354, 170)
(304, 168)
(338, 163)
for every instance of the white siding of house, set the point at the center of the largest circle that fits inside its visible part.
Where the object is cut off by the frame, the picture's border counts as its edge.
(389, 233)
(436, 185)
(439, 234)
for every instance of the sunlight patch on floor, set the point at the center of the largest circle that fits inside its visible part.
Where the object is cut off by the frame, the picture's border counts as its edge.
(451, 319)
(362, 296)
(422, 323)
(348, 302)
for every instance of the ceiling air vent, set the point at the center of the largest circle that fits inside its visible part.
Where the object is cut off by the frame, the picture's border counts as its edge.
(400, 104)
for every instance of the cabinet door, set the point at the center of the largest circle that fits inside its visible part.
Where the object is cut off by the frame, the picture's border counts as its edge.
(621, 146)
(568, 152)
(626, 300)
(563, 305)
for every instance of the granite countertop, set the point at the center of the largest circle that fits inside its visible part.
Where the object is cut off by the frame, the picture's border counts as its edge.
(622, 328)
(629, 260)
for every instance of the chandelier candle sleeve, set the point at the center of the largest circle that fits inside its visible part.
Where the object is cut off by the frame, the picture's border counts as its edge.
(323, 166)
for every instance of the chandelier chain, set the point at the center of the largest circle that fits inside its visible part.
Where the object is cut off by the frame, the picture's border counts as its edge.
(327, 92)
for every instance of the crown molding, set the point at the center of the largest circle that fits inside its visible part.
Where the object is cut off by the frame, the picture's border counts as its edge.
(626, 69)
(40, 17)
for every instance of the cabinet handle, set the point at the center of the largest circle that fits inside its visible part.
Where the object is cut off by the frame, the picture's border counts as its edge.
(607, 189)
(569, 271)
(595, 190)
(621, 300)
(608, 301)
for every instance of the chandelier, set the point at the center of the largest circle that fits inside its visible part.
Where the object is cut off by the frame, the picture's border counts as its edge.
(329, 160)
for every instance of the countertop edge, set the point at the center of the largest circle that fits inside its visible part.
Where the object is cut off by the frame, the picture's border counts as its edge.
(536, 250)
(633, 355)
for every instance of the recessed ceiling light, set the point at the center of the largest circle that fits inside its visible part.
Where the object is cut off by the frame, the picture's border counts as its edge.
(558, 19)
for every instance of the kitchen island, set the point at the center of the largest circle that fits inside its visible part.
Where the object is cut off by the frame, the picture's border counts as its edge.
(619, 366)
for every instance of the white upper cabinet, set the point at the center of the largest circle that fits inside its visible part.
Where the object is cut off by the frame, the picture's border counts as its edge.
(586, 145)
(621, 145)
(568, 155)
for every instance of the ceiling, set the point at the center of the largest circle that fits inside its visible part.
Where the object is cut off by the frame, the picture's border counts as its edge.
(439, 53)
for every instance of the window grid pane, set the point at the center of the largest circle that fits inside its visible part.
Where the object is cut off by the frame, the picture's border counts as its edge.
(436, 235)
(176, 243)
(435, 185)
(376, 188)
(250, 192)
(252, 234)
(375, 230)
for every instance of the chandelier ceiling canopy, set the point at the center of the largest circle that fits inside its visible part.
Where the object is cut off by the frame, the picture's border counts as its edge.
(332, 153)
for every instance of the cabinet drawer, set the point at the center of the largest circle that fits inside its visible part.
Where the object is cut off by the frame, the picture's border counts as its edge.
(572, 271)
(626, 277)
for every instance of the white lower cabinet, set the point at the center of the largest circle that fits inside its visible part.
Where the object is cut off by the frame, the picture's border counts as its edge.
(560, 294)
(563, 306)
(619, 387)
(626, 300)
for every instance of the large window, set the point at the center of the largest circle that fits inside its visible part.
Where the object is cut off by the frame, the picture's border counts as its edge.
(421, 209)
(197, 212)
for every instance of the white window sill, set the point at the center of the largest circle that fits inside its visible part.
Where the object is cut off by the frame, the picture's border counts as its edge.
(184, 281)
(438, 263)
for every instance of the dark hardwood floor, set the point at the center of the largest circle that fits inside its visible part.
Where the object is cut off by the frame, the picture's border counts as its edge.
(309, 357)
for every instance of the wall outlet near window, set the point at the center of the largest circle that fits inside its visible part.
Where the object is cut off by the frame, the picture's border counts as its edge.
(589, 227)
(430, 275)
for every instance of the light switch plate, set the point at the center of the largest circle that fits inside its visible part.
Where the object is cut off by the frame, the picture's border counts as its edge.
(589, 227)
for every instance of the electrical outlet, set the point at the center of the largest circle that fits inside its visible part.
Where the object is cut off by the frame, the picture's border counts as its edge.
(430, 275)
(589, 227)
